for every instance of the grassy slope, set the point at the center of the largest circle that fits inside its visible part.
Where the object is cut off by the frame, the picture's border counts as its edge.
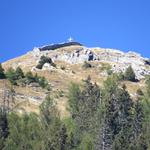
(59, 79)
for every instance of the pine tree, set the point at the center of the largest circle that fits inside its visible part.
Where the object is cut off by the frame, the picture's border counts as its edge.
(2, 74)
(84, 106)
(138, 139)
(30, 77)
(38, 132)
(63, 137)
(19, 73)
(11, 76)
(43, 60)
(24, 132)
(130, 75)
(74, 96)
(3, 127)
(116, 117)
(51, 125)
(42, 82)
(146, 111)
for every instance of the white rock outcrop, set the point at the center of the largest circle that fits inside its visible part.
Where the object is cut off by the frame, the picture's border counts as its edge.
(48, 66)
(118, 59)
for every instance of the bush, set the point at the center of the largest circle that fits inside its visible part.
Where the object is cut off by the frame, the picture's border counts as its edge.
(121, 76)
(39, 66)
(42, 82)
(130, 75)
(2, 74)
(44, 60)
(30, 78)
(17, 76)
(19, 73)
(11, 76)
(48, 87)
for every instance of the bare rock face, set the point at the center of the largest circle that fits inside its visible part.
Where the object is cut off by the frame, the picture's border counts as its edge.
(119, 60)
(78, 56)
(48, 66)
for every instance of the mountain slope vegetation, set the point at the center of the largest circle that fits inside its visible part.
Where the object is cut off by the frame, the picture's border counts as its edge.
(75, 98)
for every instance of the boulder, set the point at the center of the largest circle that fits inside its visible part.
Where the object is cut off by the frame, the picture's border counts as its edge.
(47, 66)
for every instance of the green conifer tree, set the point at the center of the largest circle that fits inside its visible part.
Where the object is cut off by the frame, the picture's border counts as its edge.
(116, 117)
(19, 73)
(3, 127)
(11, 76)
(130, 75)
(84, 105)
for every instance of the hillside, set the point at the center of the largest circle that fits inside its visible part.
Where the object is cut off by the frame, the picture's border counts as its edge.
(70, 59)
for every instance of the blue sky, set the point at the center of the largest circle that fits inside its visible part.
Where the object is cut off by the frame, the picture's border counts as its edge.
(121, 24)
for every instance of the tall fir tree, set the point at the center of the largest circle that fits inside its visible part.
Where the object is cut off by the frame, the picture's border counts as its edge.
(84, 105)
(3, 126)
(146, 110)
(129, 74)
(11, 76)
(116, 117)
(19, 73)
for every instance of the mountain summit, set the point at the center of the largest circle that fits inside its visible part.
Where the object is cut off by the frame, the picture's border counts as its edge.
(75, 53)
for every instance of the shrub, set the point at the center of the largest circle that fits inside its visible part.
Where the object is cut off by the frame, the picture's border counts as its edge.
(48, 87)
(39, 66)
(130, 75)
(14, 75)
(19, 73)
(2, 74)
(121, 76)
(11, 76)
(44, 60)
(17, 76)
(30, 78)
(42, 82)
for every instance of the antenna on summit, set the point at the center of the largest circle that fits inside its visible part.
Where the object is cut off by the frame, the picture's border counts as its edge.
(70, 39)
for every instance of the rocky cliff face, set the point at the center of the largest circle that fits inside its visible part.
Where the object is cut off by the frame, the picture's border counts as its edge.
(117, 59)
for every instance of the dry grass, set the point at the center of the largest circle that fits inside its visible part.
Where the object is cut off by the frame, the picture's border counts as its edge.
(59, 80)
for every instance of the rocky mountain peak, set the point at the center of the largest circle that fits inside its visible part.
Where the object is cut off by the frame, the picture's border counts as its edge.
(70, 58)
